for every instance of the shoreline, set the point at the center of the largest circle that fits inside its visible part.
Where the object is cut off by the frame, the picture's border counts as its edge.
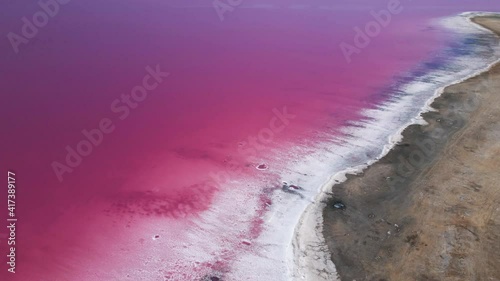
(309, 229)
(354, 191)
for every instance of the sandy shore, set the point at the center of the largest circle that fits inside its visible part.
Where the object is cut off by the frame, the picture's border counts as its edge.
(429, 209)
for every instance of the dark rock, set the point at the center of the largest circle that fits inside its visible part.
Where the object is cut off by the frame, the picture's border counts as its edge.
(339, 205)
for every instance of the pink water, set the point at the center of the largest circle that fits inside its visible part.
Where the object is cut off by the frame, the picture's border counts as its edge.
(226, 78)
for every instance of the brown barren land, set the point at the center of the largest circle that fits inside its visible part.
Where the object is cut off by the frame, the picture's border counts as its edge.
(429, 209)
